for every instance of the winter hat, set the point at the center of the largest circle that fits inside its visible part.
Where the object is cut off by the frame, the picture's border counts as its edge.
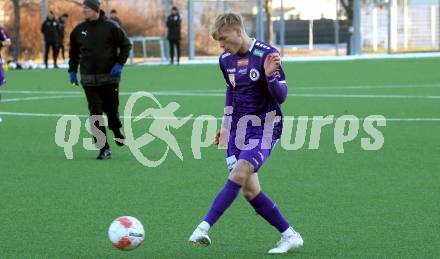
(93, 4)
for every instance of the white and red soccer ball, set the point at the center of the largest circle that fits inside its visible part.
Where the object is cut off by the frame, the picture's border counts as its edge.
(126, 233)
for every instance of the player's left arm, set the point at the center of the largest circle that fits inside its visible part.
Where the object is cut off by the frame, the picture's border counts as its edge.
(4, 38)
(123, 44)
(276, 81)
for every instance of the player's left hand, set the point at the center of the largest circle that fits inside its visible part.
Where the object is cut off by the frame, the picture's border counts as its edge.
(116, 70)
(272, 63)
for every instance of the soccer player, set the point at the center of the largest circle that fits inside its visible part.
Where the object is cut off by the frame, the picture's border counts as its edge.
(49, 28)
(61, 31)
(255, 86)
(114, 17)
(4, 41)
(100, 48)
(174, 23)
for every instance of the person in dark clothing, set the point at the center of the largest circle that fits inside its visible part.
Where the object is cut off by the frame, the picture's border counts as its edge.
(51, 38)
(174, 26)
(100, 48)
(61, 28)
(114, 17)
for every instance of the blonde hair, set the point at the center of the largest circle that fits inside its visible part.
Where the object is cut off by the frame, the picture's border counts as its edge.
(229, 20)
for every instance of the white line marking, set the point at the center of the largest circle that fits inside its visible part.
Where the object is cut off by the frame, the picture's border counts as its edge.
(28, 114)
(360, 87)
(38, 92)
(39, 98)
(210, 91)
(369, 96)
(374, 96)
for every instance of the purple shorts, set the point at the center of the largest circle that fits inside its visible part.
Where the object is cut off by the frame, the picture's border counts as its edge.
(256, 156)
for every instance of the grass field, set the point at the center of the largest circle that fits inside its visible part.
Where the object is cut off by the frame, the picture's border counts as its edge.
(364, 204)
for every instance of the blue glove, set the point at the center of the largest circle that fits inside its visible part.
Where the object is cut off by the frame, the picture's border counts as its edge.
(116, 70)
(73, 79)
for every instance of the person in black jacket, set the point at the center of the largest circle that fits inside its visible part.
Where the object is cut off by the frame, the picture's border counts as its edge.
(61, 28)
(100, 48)
(51, 38)
(114, 17)
(174, 24)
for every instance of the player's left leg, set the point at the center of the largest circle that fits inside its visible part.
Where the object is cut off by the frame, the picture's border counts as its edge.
(55, 54)
(111, 109)
(265, 207)
(178, 51)
(268, 210)
(171, 44)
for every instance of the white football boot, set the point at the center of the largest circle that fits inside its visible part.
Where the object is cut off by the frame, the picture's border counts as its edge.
(200, 237)
(288, 243)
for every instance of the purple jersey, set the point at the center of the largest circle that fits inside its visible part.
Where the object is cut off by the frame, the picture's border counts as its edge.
(248, 88)
(3, 36)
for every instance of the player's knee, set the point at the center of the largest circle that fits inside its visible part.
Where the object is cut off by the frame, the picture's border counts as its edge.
(250, 193)
(241, 172)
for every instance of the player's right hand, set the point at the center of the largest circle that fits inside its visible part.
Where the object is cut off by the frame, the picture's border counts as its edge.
(221, 137)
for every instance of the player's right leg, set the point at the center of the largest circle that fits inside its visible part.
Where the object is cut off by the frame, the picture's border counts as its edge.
(96, 108)
(237, 178)
(2, 74)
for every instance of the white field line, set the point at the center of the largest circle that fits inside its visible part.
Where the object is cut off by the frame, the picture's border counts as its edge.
(211, 91)
(33, 98)
(28, 114)
(365, 96)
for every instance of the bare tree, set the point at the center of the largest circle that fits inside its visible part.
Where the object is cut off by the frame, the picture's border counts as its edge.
(348, 9)
(16, 38)
(269, 25)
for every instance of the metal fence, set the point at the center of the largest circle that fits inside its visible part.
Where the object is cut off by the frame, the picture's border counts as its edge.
(401, 26)
(304, 27)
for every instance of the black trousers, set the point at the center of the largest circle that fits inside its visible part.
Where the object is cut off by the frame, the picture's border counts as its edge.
(54, 47)
(104, 99)
(61, 49)
(172, 44)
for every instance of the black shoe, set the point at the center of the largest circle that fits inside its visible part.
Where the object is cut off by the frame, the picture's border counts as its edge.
(104, 154)
(56, 66)
(119, 137)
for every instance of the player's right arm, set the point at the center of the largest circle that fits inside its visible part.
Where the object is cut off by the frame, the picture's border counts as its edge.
(74, 51)
(221, 137)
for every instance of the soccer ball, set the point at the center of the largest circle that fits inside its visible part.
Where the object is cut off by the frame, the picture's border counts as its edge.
(126, 233)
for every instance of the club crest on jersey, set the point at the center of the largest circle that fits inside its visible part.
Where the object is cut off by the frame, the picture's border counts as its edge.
(254, 74)
(243, 62)
(232, 79)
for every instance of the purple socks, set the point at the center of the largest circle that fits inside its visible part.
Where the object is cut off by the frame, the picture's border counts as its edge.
(222, 202)
(264, 206)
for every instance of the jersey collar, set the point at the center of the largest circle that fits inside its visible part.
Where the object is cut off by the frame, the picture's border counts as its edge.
(252, 45)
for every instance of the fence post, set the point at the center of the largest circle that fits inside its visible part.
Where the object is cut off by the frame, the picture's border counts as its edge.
(282, 29)
(357, 43)
(191, 50)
